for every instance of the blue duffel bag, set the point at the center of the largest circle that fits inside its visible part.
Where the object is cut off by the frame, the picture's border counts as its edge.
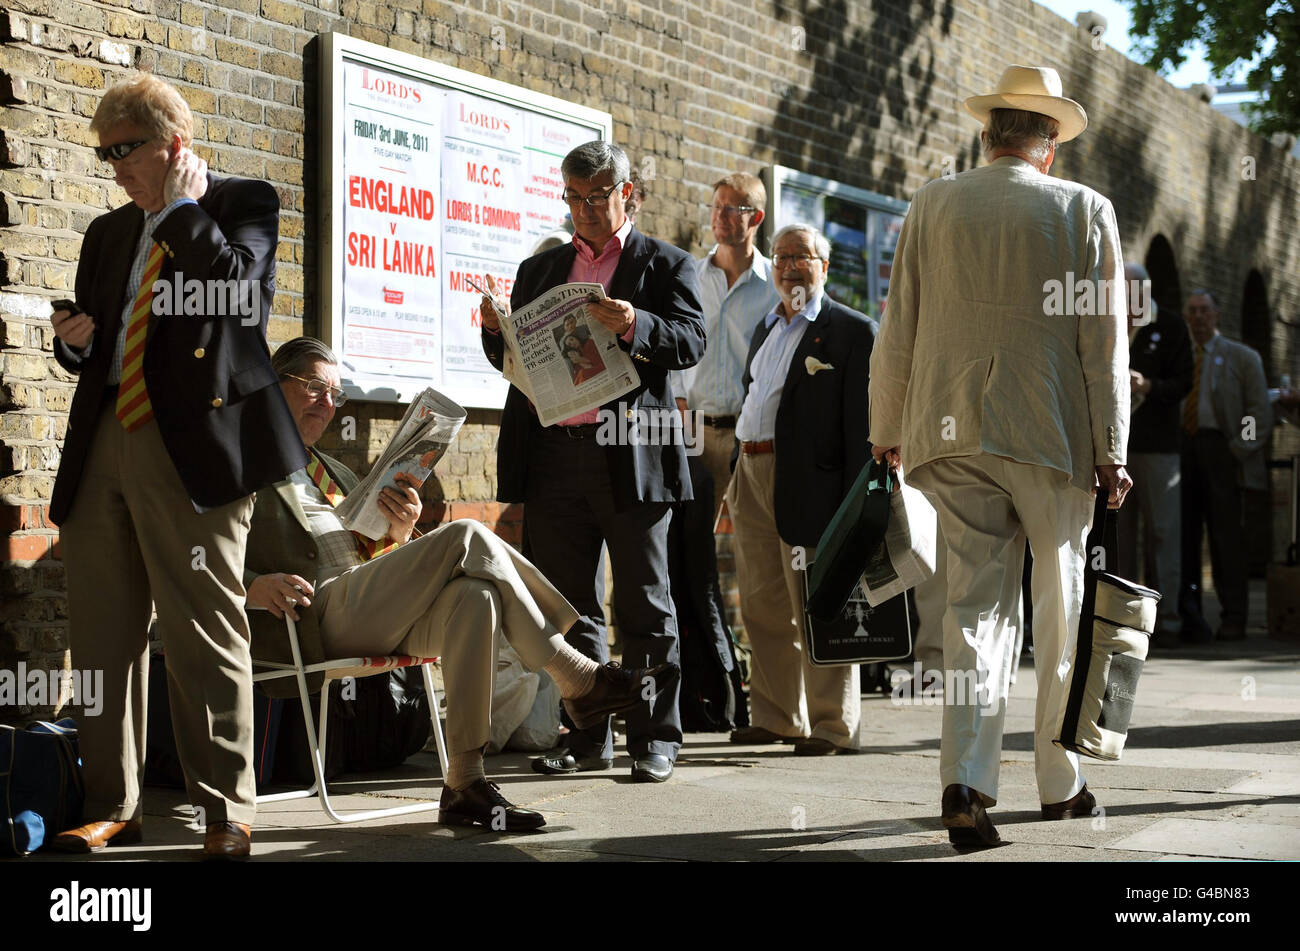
(41, 791)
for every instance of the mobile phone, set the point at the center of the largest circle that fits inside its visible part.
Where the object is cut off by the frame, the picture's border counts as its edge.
(64, 304)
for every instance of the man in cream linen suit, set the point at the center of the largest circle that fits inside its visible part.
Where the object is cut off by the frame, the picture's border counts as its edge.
(1000, 382)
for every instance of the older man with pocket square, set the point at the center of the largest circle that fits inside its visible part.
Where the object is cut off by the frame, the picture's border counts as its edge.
(1000, 380)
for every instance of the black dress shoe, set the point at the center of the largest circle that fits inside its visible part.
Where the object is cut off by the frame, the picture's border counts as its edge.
(1078, 806)
(754, 735)
(481, 803)
(562, 763)
(963, 815)
(651, 768)
(617, 689)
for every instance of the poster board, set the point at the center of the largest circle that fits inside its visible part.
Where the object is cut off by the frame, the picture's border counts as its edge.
(432, 176)
(862, 227)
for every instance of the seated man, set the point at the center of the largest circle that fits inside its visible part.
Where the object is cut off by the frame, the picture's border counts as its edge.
(441, 594)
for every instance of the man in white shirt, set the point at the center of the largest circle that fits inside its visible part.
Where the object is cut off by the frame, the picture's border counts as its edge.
(735, 291)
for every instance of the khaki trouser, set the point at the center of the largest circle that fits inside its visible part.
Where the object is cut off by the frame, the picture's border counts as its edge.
(132, 538)
(716, 456)
(787, 694)
(987, 507)
(445, 595)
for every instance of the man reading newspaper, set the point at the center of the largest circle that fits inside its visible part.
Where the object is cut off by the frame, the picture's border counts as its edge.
(443, 594)
(608, 476)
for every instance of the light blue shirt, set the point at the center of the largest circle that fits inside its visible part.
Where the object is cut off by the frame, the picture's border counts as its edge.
(731, 314)
(142, 249)
(771, 365)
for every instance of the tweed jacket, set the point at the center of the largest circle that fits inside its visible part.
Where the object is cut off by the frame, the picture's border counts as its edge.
(1238, 392)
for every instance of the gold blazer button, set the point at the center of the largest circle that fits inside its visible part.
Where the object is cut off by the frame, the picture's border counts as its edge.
(200, 353)
(216, 403)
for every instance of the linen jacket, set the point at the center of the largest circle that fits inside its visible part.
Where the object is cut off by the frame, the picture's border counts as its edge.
(973, 354)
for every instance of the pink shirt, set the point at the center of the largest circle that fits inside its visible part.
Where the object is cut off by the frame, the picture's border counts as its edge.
(590, 268)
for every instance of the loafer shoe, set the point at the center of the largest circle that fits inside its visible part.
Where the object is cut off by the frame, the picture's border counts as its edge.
(481, 803)
(562, 763)
(816, 746)
(963, 815)
(651, 768)
(754, 735)
(94, 836)
(227, 840)
(617, 689)
(1077, 806)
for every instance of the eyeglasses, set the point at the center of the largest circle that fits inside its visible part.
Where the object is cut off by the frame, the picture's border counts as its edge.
(801, 261)
(318, 388)
(119, 151)
(594, 200)
(731, 211)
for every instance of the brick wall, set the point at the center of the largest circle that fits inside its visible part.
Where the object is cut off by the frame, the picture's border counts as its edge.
(867, 93)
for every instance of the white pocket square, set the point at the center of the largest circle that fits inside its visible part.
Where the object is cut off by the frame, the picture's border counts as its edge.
(815, 366)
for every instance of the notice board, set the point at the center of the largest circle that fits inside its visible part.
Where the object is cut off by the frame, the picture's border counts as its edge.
(431, 177)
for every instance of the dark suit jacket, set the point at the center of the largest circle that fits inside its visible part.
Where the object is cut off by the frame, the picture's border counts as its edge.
(1162, 352)
(280, 539)
(220, 411)
(821, 421)
(659, 281)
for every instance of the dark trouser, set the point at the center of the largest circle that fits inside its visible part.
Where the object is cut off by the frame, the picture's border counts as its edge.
(1211, 495)
(568, 514)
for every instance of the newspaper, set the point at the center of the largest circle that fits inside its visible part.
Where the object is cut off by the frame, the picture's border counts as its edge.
(562, 359)
(427, 429)
(906, 556)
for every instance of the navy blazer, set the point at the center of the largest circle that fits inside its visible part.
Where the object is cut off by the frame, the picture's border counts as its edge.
(659, 281)
(821, 421)
(218, 403)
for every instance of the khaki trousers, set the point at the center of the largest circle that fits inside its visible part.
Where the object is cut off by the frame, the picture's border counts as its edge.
(987, 506)
(716, 456)
(446, 594)
(131, 539)
(787, 694)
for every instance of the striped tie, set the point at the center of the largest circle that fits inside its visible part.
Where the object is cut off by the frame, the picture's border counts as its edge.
(1192, 407)
(367, 547)
(133, 406)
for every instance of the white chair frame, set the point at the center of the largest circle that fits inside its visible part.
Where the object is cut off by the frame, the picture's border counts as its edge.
(316, 729)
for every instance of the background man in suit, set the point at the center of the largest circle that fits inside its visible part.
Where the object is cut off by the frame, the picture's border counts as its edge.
(579, 494)
(443, 594)
(1160, 375)
(1006, 412)
(803, 441)
(175, 422)
(1227, 419)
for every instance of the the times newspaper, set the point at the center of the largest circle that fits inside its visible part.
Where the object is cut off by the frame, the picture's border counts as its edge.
(563, 360)
(427, 429)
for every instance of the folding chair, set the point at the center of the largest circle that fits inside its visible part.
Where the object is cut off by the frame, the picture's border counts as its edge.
(337, 670)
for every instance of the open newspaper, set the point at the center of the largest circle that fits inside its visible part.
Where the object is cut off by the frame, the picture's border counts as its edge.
(562, 359)
(430, 424)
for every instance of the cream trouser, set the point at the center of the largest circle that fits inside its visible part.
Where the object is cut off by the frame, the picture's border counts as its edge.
(987, 506)
(446, 594)
(787, 694)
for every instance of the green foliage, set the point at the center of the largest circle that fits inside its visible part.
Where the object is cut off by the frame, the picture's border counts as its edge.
(1261, 34)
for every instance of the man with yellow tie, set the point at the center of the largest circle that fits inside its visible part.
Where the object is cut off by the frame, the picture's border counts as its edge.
(177, 419)
(1227, 420)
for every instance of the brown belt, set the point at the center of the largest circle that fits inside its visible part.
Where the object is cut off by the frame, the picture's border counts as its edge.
(757, 448)
(720, 422)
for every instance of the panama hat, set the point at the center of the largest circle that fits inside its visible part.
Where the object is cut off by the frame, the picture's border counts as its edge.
(1032, 89)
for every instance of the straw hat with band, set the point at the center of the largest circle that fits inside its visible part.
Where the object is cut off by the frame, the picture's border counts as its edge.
(1032, 89)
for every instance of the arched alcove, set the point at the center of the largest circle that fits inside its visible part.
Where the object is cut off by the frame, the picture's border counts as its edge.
(1166, 289)
(1256, 325)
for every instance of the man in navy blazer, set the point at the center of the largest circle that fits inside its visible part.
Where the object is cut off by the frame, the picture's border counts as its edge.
(802, 437)
(597, 479)
(177, 419)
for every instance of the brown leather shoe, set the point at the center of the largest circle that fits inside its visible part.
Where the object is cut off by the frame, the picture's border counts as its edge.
(816, 746)
(1078, 806)
(754, 735)
(617, 689)
(968, 825)
(94, 836)
(226, 840)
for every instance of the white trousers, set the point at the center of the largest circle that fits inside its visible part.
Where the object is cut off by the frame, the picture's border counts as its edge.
(988, 505)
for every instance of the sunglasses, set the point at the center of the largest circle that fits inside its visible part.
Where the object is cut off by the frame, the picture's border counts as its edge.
(119, 151)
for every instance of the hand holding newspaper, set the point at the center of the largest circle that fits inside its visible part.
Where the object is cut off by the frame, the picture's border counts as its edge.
(427, 429)
(563, 360)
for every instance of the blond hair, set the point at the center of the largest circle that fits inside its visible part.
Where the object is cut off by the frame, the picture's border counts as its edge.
(149, 103)
(748, 185)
